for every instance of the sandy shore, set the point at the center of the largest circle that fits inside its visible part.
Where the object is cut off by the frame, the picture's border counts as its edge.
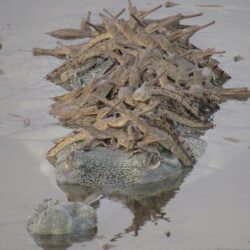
(211, 209)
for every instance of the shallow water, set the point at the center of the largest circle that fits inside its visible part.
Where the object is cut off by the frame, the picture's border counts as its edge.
(209, 210)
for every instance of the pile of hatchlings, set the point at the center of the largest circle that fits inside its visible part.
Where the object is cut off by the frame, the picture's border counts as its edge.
(132, 82)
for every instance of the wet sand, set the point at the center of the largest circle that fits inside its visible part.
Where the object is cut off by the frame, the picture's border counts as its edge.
(210, 210)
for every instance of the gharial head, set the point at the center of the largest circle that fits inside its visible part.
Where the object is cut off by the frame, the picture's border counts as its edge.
(141, 94)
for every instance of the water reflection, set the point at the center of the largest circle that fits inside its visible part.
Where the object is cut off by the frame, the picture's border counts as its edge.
(146, 202)
(62, 242)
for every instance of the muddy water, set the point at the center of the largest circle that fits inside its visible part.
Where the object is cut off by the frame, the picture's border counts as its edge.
(209, 210)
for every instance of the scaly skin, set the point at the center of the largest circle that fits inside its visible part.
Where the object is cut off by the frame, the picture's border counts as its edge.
(83, 62)
(183, 100)
(87, 135)
(96, 40)
(150, 60)
(166, 140)
(64, 142)
(66, 71)
(186, 33)
(170, 69)
(73, 113)
(140, 39)
(219, 95)
(143, 38)
(209, 63)
(115, 169)
(77, 108)
(61, 51)
(68, 68)
(69, 34)
(135, 74)
(193, 123)
(113, 122)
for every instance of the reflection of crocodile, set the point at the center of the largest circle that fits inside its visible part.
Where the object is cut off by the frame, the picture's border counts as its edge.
(144, 200)
(61, 242)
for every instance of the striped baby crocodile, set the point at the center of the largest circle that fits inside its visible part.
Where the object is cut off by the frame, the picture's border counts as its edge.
(167, 141)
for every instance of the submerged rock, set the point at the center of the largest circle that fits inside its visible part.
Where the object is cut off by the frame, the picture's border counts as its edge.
(54, 217)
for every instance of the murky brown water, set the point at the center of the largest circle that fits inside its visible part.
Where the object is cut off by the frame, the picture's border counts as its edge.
(211, 208)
